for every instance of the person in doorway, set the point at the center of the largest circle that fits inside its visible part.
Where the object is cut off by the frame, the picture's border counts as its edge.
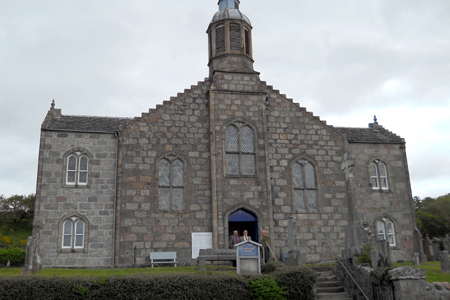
(265, 242)
(234, 239)
(245, 237)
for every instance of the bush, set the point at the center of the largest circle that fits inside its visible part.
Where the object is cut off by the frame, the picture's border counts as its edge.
(266, 288)
(15, 255)
(164, 286)
(272, 267)
(298, 281)
(365, 254)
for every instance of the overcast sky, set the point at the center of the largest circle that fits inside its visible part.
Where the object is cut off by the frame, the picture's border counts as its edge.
(345, 61)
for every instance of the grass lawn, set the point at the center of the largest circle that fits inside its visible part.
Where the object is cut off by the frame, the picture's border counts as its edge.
(432, 271)
(118, 272)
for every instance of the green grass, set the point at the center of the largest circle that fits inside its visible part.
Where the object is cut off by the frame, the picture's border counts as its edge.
(432, 271)
(118, 272)
(19, 233)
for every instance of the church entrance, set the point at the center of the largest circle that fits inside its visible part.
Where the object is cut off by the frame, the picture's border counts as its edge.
(242, 220)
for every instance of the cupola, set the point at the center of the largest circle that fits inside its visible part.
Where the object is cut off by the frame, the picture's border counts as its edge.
(230, 40)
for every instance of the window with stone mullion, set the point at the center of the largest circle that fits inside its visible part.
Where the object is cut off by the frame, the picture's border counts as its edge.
(378, 175)
(304, 184)
(240, 150)
(171, 184)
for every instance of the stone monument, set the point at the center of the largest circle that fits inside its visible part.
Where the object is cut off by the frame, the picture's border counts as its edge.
(294, 258)
(445, 262)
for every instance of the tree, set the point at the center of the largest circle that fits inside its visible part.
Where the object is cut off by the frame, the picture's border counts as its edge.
(433, 215)
(18, 207)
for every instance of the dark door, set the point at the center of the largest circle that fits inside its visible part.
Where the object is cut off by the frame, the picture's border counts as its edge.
(242, 220)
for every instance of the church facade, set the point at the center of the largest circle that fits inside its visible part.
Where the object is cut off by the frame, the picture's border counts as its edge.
(229, 153)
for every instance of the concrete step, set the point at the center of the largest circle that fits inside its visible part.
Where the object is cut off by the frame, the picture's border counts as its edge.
(328, 290)
(326, 279)
(327, 284)
(327, 296)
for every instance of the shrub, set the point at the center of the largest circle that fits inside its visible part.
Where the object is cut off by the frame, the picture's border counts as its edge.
(266, 288)
(15, 255)
(298, 281)
(365, 254)
(272, 267)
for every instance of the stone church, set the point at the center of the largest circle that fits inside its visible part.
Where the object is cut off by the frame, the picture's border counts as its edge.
(229, 153)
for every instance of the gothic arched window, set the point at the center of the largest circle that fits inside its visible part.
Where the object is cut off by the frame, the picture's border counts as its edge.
(77, 169)
(378, 175)
(305, 188)
(73, 233)
(240, 150)
(171, 183)
(386, 231)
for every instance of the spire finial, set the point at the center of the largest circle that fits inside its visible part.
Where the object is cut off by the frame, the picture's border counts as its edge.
(375, 118)
(53, 103)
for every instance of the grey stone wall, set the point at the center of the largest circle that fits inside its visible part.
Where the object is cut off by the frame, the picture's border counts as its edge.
(294, 133)
(180, 128)
(394, 203)
(94, 203)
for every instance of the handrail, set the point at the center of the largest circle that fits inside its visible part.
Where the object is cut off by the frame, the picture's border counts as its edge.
(340, 261)
(360, 289)
(270, 249)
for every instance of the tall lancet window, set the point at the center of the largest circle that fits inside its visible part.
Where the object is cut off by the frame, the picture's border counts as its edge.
(378, 175)
(305, 188)
(171, 183)
(220, 38)
(240, 150)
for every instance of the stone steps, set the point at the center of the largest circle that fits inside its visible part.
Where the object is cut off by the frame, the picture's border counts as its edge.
(327, 286)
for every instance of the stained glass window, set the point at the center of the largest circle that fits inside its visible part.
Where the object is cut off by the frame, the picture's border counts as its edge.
(240, 155)
(171, 184)
(304, 184)
(378, 175)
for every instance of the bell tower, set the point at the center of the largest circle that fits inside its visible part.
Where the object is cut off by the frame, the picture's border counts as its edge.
(230, 40)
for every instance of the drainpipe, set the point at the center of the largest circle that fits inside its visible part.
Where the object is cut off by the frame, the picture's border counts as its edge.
(116, 134)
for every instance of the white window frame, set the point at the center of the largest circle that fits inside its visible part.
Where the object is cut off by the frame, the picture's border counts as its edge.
(78, 171)
(378, 175)
(386, 231)
(74, 221)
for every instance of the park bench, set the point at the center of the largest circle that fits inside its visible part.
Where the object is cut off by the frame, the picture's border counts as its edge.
(163, 258)
(214, 255)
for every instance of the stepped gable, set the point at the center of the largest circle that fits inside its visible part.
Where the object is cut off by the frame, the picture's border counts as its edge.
(270, 88)
(85, 123)
(194, 89)
(374, 134)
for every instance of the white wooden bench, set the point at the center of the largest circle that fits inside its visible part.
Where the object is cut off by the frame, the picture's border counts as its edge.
(163, 258)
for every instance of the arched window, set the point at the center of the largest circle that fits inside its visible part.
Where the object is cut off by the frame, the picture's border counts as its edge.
(386, 231)
(378, 175)
(305, 188)
(77, 169)
(73, 233)
(171, 183)
(240, 150)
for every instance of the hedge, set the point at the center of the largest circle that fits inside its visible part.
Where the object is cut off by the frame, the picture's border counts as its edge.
(15, 255)
(296, 281)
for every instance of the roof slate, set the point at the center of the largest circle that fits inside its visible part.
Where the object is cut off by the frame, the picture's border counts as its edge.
(369, 135)
(84, 123)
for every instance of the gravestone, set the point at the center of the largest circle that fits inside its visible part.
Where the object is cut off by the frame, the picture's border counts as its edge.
(436, 248)
(445, 262)
(416, 259)
(426, 247)
(446, 243)
(248, 258)
(384, 253)
(294, 257)
(8, 264)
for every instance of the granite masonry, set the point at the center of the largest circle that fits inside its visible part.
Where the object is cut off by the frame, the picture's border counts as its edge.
(229, 153)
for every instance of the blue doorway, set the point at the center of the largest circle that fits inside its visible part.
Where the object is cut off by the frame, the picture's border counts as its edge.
(242, 220)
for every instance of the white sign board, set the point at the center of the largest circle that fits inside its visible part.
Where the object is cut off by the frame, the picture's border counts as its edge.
(200, 240)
